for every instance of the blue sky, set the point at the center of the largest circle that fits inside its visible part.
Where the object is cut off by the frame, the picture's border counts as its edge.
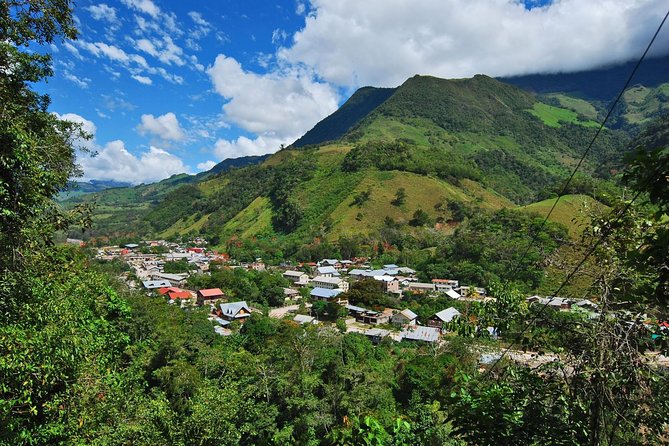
(171, 87)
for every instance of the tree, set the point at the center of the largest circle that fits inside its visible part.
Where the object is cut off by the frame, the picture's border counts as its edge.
(420, 218)
(400, 197)
(37, 157)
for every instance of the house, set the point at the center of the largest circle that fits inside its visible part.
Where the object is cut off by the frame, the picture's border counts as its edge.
(297, 277)
(443, 285)
(377, 334)
(325, 293)
(163, 291)
(330, 283)
(235, 311)
(404, 317)
(180, 295)
(389, 284)
(421, 334)
(208, 295)
(291, 293)
(420, 287)
(453, 294)
(443, 317)
(257, 266)
(155, 284)
(327, 271)
(330, 262)
(406, 271)
(558, 303)
(371, 317)
(305, 319)
(176, 279)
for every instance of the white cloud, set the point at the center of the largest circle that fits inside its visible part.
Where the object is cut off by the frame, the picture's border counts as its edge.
(164, 50)
(145, 6)
(115, 162)
(383, 42)
(207, 165)
(243, 146)
(72, 49)
(166, 127)
(300, 7)
(80, 82)
(86, 125)
(198, 19)
(279, 35)
(103, 12)
(277, 106)
(142, 79)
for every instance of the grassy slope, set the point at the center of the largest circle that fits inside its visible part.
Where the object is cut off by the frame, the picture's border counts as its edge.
(571, 211)
(555, 117)
(644, 104)
(580, 106)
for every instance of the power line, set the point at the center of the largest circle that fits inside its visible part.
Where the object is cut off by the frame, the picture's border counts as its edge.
(599, 241)
(587, 150)
(605, 233)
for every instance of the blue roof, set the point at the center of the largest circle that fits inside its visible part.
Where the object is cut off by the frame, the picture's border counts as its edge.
(325, 293)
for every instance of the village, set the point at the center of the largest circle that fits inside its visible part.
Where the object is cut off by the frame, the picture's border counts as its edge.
(307, 285)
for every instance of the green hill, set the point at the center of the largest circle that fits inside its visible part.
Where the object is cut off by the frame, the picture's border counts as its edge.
(571, 211)
(451, 146)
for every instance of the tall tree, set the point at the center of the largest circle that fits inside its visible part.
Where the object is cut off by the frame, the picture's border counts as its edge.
(37, 153)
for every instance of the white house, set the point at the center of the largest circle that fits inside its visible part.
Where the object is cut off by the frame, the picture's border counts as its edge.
(297, 277)
(330, 283)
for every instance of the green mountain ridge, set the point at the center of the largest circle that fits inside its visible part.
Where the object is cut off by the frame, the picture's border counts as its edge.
(467, 143)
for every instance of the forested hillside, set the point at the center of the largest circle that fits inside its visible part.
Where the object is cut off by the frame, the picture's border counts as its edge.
(86, 360)
(476, 142)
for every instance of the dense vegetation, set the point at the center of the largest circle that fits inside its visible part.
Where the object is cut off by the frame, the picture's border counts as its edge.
(87, 361)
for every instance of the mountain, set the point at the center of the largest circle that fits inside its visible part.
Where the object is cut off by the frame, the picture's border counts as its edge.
(234, 163)
(591, 92)
(86, 187)
(601, 84)
(448, 147)
(359, 105)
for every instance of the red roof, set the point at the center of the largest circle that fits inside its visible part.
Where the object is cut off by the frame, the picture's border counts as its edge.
(171, 289)
(180, 295)
(442, 280)
(211, 292)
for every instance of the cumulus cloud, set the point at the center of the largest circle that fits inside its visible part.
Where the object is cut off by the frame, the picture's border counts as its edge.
(86, 125)
(207, 165)
(278, 106)
(243, 146)
(383, 42)
(115, 162)
(166, 127)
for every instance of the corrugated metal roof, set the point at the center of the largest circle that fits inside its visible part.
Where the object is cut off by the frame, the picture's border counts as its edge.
(448, 314)
(325, 293)
(420, 333)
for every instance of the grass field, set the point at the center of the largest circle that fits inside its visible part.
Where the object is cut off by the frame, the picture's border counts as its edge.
(554, 116)
(571, 211)
(580, 106)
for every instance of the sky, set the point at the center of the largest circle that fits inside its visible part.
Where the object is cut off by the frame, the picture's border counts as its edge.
(167, 87)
